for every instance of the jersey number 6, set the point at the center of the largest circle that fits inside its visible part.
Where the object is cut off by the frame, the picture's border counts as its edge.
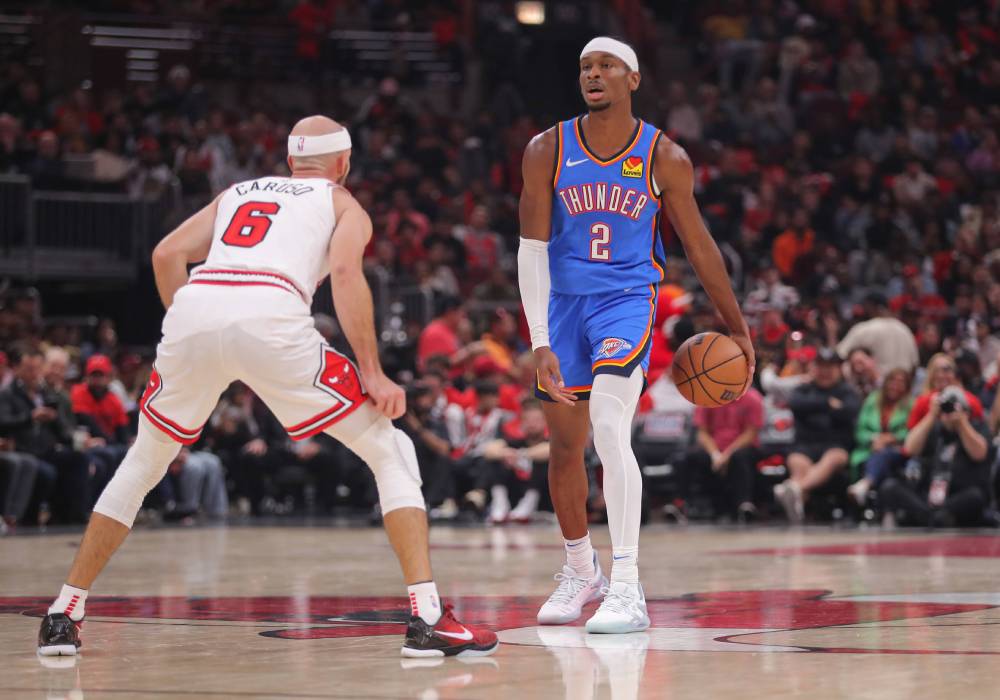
(600, 239)
(250, 224)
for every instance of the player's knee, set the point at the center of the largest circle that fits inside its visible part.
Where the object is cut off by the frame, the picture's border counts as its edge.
(607, 431)
(144, 465)
(392, 457)
(566, 454)
(838, 456)
(609, 425)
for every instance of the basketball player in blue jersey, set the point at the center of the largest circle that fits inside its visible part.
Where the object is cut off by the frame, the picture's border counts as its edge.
(589, 262)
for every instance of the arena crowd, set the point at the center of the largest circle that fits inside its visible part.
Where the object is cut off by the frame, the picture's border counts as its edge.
(848, 164)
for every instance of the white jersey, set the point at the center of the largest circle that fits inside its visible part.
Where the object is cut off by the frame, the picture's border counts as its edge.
(273, 230)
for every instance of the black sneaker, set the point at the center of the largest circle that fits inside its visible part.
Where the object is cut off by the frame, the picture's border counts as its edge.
(448, 637)
(59, 635)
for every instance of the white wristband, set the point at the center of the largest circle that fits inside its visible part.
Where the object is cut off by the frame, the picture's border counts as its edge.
(535, 283)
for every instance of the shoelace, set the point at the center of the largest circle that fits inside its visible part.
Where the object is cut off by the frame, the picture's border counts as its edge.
(446, 612)
(618, 602)
(568, 587)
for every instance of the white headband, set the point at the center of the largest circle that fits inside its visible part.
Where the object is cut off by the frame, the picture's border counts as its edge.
(615, 48)
(318, 145)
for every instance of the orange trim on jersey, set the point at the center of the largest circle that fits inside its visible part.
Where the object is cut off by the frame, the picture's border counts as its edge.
(649, 165)
(573, 389)
(642, 344)
(625, 152)
(559, 154)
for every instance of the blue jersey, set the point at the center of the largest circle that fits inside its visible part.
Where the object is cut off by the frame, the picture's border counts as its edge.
(605, 215)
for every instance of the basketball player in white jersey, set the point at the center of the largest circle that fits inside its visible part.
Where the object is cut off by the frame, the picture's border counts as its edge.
(244, 315)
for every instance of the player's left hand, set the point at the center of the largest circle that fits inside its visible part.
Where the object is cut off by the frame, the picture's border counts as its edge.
(388, 396)
(746, 345)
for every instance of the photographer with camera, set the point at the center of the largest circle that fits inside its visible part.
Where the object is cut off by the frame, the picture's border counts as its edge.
(946, 481)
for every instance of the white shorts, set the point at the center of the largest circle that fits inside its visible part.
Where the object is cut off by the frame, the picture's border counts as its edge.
(260, 335)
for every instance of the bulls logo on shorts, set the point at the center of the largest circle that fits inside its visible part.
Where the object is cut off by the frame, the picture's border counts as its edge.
(340, 379)
(152, 387)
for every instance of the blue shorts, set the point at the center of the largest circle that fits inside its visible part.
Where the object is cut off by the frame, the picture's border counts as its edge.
(595, 334)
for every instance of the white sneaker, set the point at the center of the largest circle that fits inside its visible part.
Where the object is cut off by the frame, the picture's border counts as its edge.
(525, 509)
(623, 610)
(499, 511)
(789, 495)
(566, 603)
(448, 510)
(859, 491)
(499, 505)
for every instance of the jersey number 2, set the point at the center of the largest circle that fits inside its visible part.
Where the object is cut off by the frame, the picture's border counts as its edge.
(250, 224)
(600, 239)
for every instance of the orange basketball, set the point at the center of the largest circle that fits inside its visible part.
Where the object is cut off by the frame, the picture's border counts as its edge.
(709, 370)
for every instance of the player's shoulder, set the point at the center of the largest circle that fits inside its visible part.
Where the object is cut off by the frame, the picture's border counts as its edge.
(342, 197)
(669, 151)
(542, 145)
(671, 163)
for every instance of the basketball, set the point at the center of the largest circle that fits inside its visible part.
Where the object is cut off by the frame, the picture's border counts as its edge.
(710, 370)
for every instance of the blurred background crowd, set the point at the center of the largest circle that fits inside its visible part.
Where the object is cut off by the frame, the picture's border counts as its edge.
(847, 161)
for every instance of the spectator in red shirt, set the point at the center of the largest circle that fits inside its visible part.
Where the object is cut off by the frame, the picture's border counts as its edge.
(727, 453)
(440, 337)
(96, 408)
(483, 248)
(941, 372)
(403, 210)
(914, 300)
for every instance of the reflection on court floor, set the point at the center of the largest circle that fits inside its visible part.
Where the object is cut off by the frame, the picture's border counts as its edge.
(318, 613)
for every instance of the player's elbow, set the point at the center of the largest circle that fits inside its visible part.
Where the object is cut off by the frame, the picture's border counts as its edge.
(344, 273)
(163, 254)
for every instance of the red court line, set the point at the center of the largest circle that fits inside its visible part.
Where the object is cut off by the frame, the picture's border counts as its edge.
(976, 546)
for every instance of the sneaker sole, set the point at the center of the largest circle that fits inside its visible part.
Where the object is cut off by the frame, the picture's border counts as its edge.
(59, 650)
(563, 620)
(596, 629)
(411, 653)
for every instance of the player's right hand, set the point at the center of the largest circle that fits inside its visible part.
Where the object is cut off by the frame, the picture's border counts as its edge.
(550, 378)
(388, 396)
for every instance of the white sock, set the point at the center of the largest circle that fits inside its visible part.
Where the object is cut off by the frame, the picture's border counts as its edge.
(613, 401)
(70, 601)
(625, 565)
(424, 602)
(580, 557)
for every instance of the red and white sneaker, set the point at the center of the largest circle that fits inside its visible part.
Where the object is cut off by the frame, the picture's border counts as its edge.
(59, 635)
(448, 637)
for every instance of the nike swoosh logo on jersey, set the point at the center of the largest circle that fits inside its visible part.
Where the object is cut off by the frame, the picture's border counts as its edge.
(571, 163)
(465, 636)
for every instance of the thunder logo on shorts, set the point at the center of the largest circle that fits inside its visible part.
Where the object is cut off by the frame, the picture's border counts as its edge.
(605, 256)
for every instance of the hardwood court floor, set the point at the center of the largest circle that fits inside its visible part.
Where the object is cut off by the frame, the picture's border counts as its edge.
(314, 612)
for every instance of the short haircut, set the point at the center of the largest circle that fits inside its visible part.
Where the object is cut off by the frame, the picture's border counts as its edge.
(530, 403)
(18, 355)
(486, 388)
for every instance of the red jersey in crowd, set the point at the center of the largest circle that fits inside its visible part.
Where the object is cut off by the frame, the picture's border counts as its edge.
(107, 411)
(436, 339)
(726, 423)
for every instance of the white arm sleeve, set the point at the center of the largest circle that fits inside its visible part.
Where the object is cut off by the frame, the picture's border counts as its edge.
(533, 279)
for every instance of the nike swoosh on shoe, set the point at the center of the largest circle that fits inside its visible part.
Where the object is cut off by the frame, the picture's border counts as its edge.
(465, 636)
